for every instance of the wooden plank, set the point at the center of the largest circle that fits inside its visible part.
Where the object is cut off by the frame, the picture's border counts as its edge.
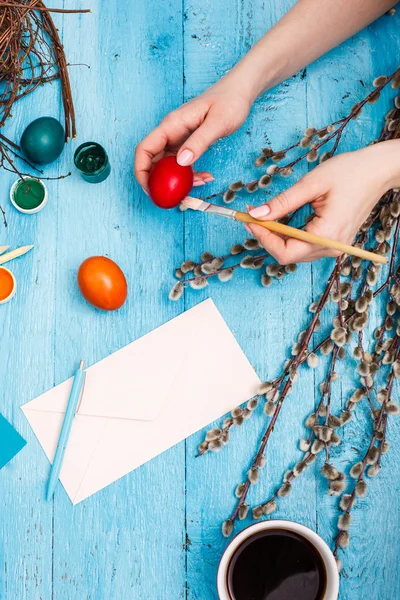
(26, 370)
(214, 39)
(126, 541)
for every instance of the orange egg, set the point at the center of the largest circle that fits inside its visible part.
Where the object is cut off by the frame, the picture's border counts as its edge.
(102, 283)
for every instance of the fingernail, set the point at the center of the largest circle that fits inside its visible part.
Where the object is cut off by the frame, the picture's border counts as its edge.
(260, 211)
(208, 179)
(199, 182)
(247, 228)
(185, 158)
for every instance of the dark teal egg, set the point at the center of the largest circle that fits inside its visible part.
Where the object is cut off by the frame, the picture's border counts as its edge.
(43, 140)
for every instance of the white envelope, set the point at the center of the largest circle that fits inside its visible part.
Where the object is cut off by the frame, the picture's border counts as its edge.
(144, 399)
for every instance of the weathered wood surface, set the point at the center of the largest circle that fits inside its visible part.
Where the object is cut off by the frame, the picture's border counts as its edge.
(155, 534)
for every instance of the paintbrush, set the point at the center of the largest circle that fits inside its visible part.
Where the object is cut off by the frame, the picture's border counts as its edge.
(14, 254)
(292, 232)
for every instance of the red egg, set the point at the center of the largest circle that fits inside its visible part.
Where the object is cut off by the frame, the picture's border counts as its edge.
(169, 182)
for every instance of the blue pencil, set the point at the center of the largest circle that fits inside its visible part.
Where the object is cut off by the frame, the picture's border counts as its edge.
(77, 387)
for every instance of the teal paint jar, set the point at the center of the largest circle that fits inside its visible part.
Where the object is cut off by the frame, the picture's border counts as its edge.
(92, 162)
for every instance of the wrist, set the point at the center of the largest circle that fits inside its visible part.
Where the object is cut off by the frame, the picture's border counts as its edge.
(231, 87)
(255, 73)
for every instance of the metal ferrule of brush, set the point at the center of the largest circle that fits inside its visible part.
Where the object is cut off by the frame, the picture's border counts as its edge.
(229, 213)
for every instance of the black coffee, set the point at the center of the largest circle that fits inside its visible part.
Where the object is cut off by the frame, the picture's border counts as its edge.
(276, 564)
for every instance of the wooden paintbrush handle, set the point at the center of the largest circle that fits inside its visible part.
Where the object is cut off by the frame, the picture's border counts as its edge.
(14, 254)
(312, 238)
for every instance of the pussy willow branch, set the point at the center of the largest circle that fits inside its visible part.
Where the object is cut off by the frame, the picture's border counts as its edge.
(372, 443)
(218, 437)
(317, 347)
(269, 505)
(233, 267)
(308, 457)
(287, 386)
(276, 383)
(344, 122)
(197, 266)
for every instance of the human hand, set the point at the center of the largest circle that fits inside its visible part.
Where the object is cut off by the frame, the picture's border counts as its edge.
(342, 192)
(192, 128)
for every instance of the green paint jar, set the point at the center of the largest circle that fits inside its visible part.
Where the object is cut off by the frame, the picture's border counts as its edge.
(28, 195)
(92, 162)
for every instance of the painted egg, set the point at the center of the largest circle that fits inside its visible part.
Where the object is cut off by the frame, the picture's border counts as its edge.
(102, 283)
(43, 140)
(169, 182)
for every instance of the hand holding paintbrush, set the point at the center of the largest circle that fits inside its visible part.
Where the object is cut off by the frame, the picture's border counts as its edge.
(342, 192)
(286, 230)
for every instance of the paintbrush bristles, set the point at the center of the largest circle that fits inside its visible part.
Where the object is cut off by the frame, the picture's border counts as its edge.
(193, 203)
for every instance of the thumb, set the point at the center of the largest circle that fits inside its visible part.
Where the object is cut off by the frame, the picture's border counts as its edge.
(209, 132)
(294, 197)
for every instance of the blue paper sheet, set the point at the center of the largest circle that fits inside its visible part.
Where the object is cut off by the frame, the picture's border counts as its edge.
(10, 442)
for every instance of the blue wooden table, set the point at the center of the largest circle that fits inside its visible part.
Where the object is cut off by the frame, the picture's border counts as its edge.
(155, 534)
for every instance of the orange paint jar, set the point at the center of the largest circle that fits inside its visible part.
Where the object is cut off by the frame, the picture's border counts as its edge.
(8, 285)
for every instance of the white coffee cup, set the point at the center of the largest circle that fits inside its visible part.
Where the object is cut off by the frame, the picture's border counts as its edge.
(332, 575)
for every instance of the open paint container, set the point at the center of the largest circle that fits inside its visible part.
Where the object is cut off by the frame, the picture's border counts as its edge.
(92, 162)
(28, 195)
(8, 285)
